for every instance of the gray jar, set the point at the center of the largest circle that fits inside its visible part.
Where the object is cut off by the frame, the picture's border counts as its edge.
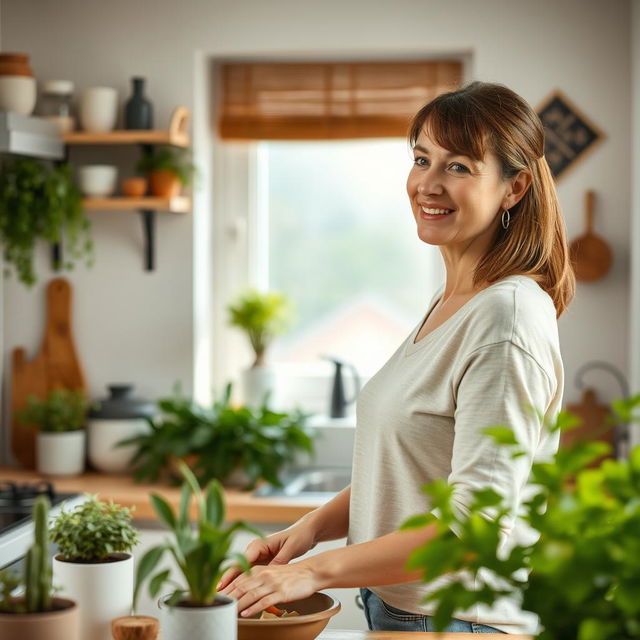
(116, 418)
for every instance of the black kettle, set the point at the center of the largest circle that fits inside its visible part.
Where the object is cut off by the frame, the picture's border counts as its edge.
(339, 402)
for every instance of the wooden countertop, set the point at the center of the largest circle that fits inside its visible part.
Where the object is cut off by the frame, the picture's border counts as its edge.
(241, 505)
(336, 634)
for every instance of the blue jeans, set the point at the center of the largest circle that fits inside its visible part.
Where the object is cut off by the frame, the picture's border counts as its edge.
(383, 617)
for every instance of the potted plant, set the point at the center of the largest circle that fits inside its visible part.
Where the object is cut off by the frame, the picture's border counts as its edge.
(169, 168)
(220, 440)
(194, 611)
(263, 316)
(37, 614)
(94, 566)
(584, 568)
(40, 203)
(60, 418)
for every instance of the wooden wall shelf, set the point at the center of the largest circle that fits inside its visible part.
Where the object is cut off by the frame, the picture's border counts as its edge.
(177, 134)
(179, 204)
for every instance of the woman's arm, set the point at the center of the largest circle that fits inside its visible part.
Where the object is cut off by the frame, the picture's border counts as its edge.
(378, 562)
(328, 522)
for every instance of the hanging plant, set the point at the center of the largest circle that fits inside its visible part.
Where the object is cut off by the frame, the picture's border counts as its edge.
(40, 203)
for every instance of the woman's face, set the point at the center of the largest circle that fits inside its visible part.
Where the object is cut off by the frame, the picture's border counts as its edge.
(457, 202)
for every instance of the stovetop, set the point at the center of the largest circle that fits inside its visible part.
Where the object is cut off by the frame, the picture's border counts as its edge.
(16, 523)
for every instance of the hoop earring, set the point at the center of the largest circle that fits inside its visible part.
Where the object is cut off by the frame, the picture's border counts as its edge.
(506, 218)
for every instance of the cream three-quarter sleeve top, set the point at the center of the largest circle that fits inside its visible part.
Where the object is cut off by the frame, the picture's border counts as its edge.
(421, 417)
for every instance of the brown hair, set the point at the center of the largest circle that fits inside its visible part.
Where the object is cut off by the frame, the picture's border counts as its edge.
(483, 117)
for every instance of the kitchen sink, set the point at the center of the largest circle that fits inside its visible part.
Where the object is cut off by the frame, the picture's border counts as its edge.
(308, 483)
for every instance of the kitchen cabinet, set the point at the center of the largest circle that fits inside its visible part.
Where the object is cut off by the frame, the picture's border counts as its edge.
(176, 135)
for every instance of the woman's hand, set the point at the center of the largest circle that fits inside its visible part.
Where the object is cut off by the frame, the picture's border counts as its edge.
(264, 586)
(277, 549)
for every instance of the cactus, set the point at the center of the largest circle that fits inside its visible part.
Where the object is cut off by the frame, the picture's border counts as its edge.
(38, 570)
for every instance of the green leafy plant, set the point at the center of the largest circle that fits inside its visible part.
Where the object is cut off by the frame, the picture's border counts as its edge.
(168, 158)
(37, 572)
(263, 316)
(62, 410)
(93, 531)
(202, 554)
(40, 203)
(584, 568)
(220, 440)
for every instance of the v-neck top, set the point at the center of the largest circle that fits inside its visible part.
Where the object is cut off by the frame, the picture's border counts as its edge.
(421, 417)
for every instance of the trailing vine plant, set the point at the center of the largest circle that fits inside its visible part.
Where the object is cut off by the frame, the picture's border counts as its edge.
(38, 202)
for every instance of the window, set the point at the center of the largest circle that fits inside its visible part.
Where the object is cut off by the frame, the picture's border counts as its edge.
(341, 243)
(307, 201)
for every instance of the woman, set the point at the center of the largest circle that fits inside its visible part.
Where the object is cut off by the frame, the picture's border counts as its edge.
(486, 351)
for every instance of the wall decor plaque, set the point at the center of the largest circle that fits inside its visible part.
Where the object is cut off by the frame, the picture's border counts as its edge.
(569, 135)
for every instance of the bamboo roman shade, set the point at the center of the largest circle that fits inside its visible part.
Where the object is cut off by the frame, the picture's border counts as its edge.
(319, 101)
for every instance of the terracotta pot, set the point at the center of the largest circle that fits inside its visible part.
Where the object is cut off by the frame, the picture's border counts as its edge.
(164, 184)
(60, 624)
(15, 64)
(134, 187)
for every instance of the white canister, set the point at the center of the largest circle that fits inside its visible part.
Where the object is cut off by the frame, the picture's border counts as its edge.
(102, 590)
(61, 453)
(200, 623)
(118, 417)
(99, 108)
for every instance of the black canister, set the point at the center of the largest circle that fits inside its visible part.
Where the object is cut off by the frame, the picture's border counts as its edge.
(138, 111)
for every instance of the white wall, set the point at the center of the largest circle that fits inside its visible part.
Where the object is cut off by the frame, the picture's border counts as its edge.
(139, 327)
(634, 334)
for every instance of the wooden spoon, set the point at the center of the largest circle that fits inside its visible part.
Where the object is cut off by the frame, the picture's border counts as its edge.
(135, 628)
(590, 254)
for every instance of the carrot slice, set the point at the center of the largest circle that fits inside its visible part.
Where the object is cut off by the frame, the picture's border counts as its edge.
(274, 610)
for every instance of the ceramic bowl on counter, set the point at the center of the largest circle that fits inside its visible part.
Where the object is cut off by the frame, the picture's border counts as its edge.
(98, 180)
(314, 611)
(118, 417)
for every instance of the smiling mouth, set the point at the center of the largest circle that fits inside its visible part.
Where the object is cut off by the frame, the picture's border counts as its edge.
(436, 212)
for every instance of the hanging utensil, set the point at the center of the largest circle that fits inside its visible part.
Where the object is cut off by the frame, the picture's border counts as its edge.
(590, 254)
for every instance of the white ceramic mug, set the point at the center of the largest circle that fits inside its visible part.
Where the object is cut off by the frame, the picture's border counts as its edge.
(98, 180)
(99, 108)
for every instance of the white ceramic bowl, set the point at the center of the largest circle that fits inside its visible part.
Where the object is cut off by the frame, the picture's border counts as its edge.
(99, 108)
(17, 94)
(98, 180)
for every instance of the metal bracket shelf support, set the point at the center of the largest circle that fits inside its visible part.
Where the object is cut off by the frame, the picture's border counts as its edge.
(149, 229)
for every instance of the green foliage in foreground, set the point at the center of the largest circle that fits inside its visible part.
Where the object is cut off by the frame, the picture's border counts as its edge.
(584, 568)
(202, 554)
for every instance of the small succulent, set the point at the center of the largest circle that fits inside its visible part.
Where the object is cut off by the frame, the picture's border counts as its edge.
(93, 531)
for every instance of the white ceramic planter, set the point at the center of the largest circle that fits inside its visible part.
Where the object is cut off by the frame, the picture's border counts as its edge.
(98, 180)
(103, 436)
(200, 623)
(61, 454)
(18, 94)
(256, 382)
(99, 108)
(103, 591)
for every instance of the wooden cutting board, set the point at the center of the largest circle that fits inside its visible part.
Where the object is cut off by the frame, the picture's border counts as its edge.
(56, 366)
(595, 417)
